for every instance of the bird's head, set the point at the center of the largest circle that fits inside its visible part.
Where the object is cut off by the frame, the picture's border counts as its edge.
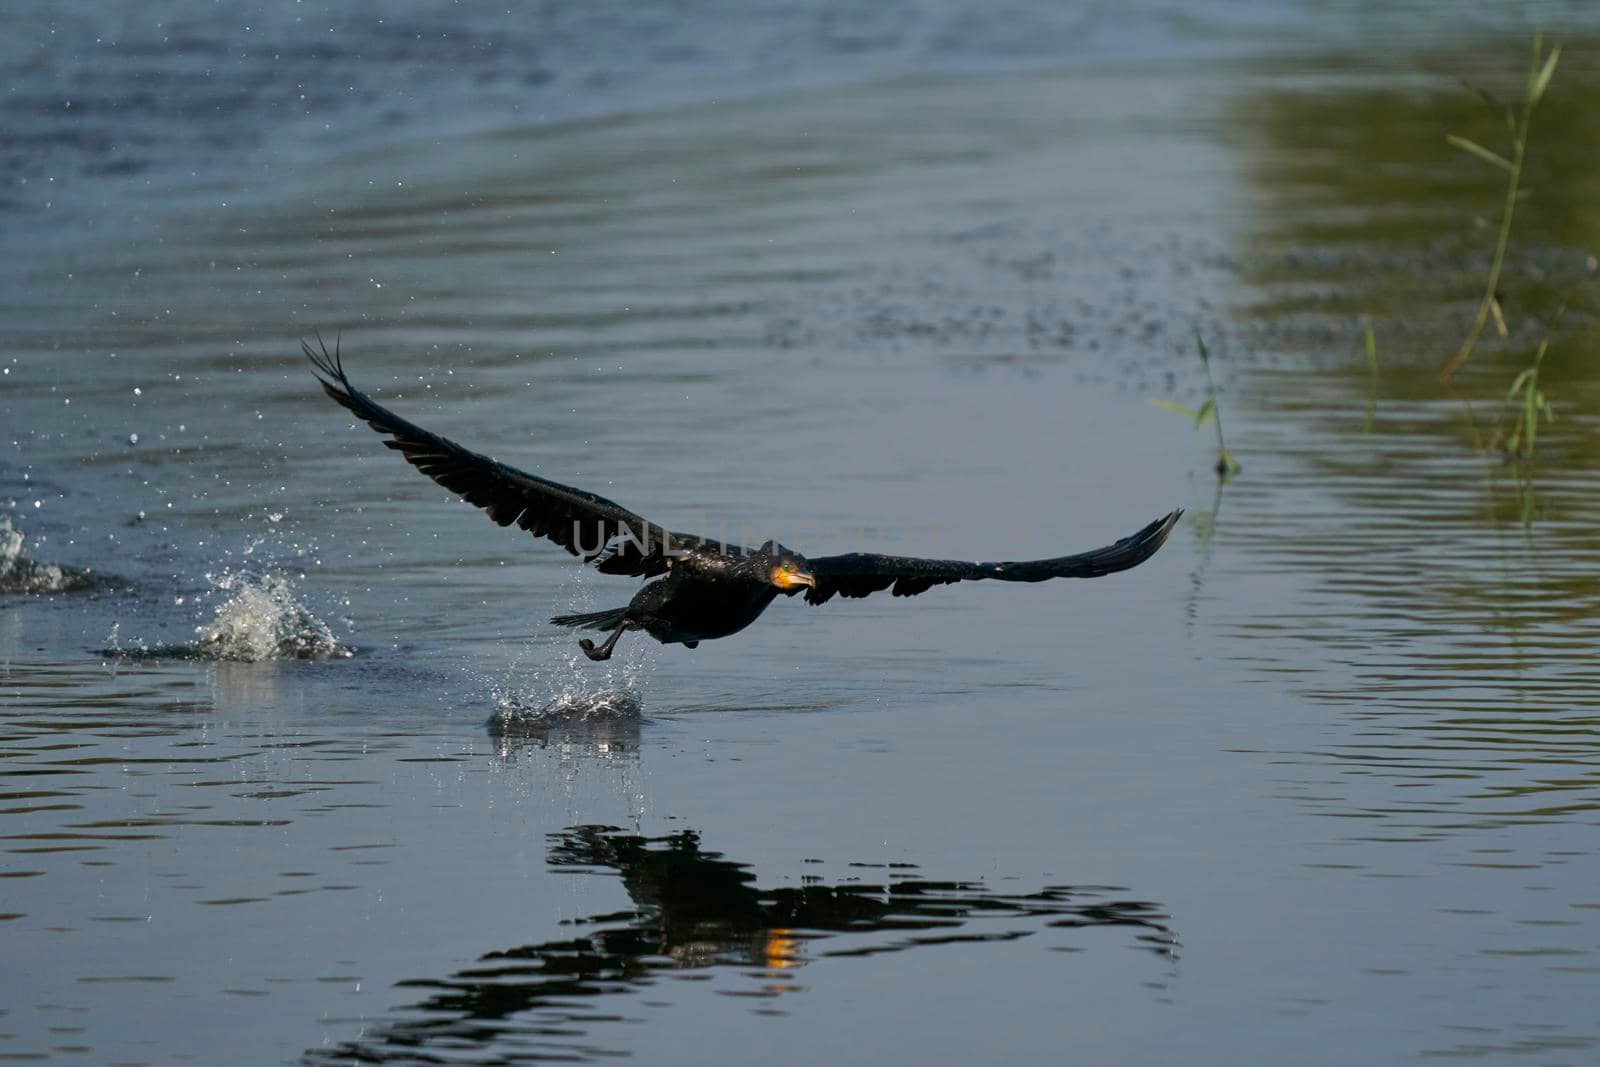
(787, 570)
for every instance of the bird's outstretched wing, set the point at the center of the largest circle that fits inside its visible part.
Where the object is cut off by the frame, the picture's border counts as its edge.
(583, 523)
(861, 574)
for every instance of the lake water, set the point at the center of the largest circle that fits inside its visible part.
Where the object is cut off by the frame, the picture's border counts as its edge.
(294, 770)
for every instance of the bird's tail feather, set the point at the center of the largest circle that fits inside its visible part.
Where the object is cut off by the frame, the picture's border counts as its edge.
(592, 620)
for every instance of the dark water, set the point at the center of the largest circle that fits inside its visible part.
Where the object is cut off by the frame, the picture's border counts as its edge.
(696, 910)
(295, 771)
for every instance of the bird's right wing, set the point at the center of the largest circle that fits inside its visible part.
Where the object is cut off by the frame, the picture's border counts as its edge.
(583, 523)
(860, 574)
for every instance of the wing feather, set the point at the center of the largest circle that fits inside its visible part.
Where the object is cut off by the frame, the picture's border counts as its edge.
(860, 574)
(585, 524)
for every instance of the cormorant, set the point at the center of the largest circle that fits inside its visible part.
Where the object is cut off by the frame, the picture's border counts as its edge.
(710, 589)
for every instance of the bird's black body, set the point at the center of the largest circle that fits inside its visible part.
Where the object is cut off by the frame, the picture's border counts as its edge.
(700, 599)
(703, 589)
(687, 608)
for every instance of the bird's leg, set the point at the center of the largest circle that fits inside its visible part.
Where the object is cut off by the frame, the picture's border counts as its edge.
(604, 651)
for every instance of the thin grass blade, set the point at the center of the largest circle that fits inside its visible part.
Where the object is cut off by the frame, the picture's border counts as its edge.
(1476, 149)
(1167, 405)
(1542, 81)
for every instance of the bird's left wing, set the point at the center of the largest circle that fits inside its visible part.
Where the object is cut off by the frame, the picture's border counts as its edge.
(860, 574)
(585, 524)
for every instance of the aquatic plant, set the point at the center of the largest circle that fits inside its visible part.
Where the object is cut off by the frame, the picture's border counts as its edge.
(1372, 380)
(1540, 70)
(1530, 404)
(1226, 466)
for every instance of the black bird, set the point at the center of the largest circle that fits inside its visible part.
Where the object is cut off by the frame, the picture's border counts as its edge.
(710, 589)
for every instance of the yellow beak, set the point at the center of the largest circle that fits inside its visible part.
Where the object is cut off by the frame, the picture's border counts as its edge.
(784, 578)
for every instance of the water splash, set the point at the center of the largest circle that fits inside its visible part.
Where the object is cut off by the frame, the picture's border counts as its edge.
(603, 704)
(579, 703)
(260, 619)
(19, 574)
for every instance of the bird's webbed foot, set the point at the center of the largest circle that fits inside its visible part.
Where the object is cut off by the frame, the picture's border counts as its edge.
(604, 651)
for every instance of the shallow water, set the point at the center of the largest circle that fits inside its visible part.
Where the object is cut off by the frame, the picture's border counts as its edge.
(302, 774)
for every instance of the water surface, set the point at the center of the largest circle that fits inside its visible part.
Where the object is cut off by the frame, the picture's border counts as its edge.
(295, 770)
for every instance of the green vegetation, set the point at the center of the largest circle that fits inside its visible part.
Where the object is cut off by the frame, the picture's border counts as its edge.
(1361, 280)
(1372, 380)
(1540, 71)
(1226, 466)
(1525, 400)
(1530, 404)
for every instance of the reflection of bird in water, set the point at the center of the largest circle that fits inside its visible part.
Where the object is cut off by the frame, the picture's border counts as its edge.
(706, 589)
(695, 910)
